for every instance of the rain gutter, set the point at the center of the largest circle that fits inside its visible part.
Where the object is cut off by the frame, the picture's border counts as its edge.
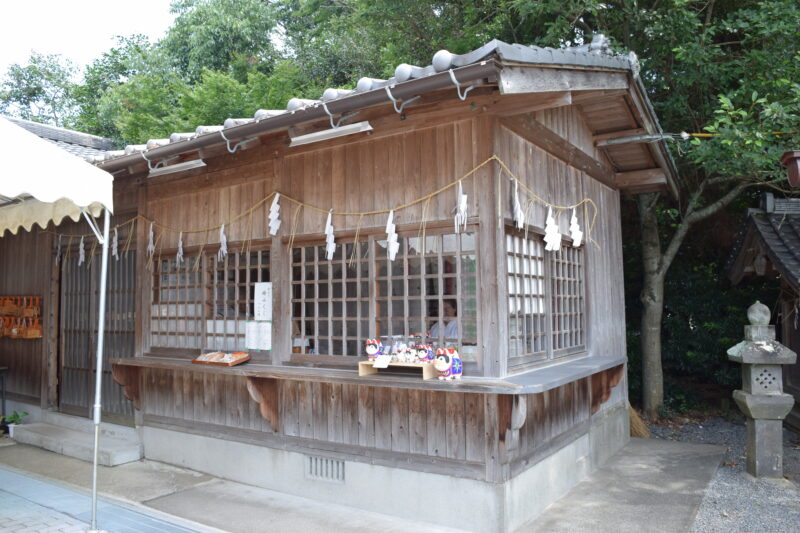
(401, 91)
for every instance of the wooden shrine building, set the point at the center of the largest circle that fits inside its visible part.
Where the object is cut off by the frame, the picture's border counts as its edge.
(476, 158)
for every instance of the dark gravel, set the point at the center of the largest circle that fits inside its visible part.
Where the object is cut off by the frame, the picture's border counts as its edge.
(735, 501)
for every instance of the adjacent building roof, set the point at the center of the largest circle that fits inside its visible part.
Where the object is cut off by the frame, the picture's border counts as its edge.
(77, 143)
(770, 238)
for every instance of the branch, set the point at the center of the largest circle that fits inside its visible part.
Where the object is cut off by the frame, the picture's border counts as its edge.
(691, 219)
(713, 207)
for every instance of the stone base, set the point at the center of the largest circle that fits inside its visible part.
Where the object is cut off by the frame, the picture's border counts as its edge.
(765, 448)
(471, 505)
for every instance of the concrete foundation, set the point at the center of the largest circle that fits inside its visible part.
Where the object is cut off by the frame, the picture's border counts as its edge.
(478, 506)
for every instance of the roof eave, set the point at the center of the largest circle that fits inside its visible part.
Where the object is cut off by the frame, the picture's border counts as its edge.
(400, 91)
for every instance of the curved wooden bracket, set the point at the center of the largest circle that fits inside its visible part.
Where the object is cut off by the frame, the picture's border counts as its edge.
(264, 391)
(602, 383)
(513, 413)
(127, 377)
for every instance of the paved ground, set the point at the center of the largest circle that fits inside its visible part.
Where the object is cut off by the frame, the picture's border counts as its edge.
(19, 514)
(29, 504)
(650, 486)
(148, 490)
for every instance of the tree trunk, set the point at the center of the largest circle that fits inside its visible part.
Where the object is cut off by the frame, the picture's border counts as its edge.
(652, 298)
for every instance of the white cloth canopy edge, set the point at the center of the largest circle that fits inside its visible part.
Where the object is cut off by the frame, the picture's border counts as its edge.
(60, 183)
(32, 212)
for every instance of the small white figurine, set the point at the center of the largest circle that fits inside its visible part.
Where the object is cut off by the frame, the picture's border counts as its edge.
(374, 348)
(424, 353)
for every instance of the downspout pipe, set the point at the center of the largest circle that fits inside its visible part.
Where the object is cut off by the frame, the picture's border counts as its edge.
(401, 91)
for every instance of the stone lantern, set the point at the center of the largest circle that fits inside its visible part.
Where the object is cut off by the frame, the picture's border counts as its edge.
(762, 398)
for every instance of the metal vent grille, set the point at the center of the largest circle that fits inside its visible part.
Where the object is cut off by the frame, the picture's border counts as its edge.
(324, 469)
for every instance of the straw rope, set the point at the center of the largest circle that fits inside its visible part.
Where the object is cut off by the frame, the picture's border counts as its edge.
(425, 200)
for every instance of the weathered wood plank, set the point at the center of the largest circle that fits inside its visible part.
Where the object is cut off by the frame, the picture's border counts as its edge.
(366, 417)
(475, 431)
(305, 408)
(349, 414)
(436, 427)
(417, 421)
(456, 426)
(400, 420)
(383, 418)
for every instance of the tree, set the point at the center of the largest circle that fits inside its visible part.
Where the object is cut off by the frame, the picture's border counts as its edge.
(220, 35)
(41, 91)
(131, 56)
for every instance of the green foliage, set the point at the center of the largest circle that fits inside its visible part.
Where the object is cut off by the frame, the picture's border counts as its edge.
(145, 106)
(41, 91)
(219, 35)
(131, 56)
(14, 418)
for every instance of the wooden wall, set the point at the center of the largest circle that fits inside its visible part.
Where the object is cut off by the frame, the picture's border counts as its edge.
(25, 269)
(564, 185)
(461, 434)
(358, 176)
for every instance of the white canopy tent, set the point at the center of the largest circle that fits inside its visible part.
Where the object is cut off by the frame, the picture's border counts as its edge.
(41, 183)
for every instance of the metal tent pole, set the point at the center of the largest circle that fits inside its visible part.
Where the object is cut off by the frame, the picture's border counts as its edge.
(99, 363)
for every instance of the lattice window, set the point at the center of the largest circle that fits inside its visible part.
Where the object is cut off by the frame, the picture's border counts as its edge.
(428, 295)
(423, 295)
(526, 299)
(177, 309)
(330, 300)
(204, 305)
(546, 302)
(567, 301)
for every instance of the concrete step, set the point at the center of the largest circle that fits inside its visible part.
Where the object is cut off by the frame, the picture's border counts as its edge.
(71, 442)
(86, 425)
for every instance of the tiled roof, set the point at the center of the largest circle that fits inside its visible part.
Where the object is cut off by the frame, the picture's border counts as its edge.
(777, 228)
(80, 144)
(594, 55)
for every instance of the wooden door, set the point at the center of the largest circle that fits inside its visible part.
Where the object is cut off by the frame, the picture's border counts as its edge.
(80, 288)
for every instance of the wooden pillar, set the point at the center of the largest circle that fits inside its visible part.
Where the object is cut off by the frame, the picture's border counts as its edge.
(491, 259)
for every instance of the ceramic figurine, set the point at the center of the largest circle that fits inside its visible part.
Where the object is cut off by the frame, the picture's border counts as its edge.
(374, 348)
(448, 363)
(424, 353)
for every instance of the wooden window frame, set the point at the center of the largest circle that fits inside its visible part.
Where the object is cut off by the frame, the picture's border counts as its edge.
(552, 298)
(203, 336)
(371, 238)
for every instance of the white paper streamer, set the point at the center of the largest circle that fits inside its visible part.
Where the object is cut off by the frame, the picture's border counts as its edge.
(115, 245)
(275, 215)
(551, 235)
(151, 246)
(223, 244)
(81, 253)
(391, 237)
(179, 255)
(575, 230)
(330, 244)
(519, 214)
(460, 219)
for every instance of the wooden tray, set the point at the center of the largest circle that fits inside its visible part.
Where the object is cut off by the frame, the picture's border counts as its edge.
(219, 363)
(365, 368)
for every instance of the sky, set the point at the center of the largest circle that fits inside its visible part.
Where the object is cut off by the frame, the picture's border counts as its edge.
(80, 30)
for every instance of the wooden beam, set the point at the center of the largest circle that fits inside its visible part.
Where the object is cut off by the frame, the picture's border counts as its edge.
(516, 80)
(580, 97)
(505, 105)
(639, 181)
(618, 134)
(537, 134)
